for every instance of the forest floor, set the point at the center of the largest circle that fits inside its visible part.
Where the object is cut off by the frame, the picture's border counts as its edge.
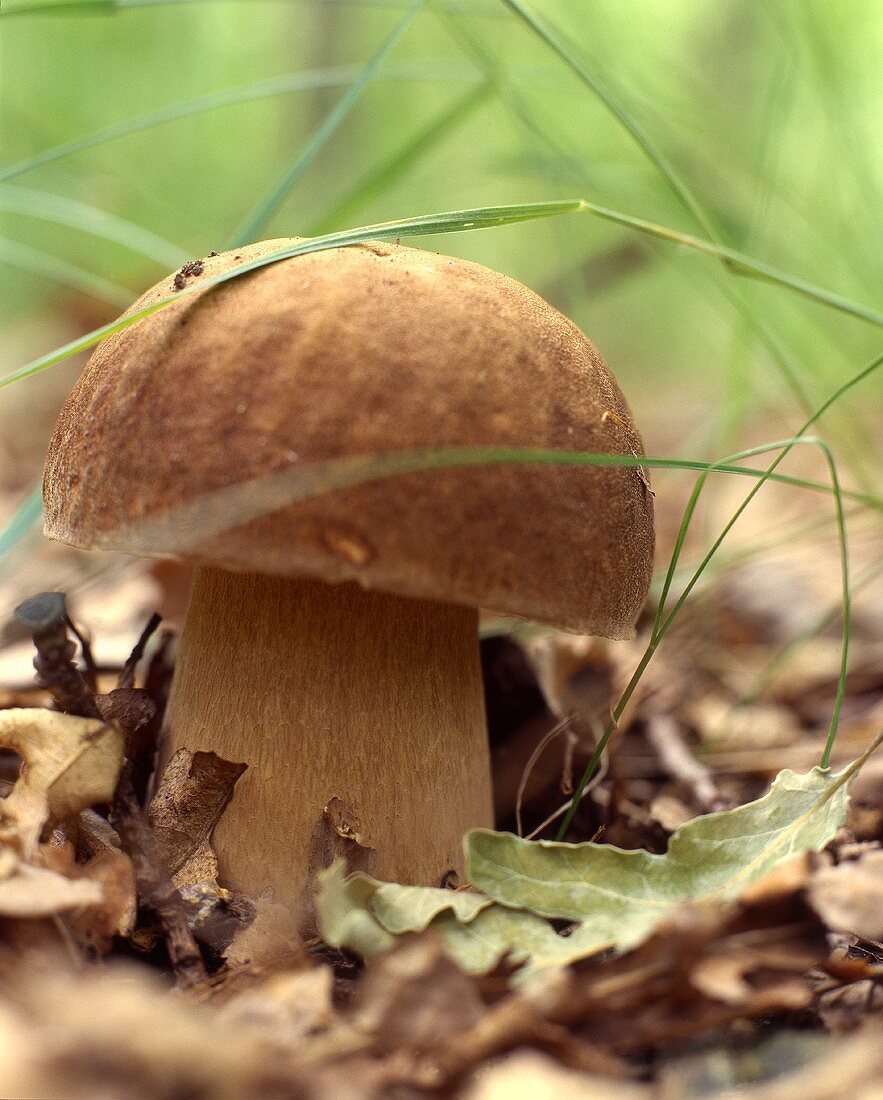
(120, 975)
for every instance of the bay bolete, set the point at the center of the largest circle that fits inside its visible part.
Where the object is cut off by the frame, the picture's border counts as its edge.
(332, 646)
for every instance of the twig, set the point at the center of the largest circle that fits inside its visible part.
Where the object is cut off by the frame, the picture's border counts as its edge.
(597, 778)
(664, 735)
(559, 727)
(45, 618)
(127, 676)
(90, 674)
(155, 889)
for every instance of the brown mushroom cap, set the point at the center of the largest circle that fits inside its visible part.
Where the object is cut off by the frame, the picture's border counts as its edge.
(350, 352)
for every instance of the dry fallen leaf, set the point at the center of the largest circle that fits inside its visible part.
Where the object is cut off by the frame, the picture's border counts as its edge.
(286, 1008)
(415, 997)
(189, 800)
(69, 764)
(849, 897)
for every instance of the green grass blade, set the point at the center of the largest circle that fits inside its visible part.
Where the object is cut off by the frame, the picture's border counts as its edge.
(46, 266)
(457, 221)
(265, 210)
(89, 219)
(308, 81)
(666, 170)
(740, 263)
(22, 522)
(376, 182)
(424, 225)
(112, 7)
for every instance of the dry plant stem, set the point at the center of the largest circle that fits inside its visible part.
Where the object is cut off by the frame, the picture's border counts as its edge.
(330, 690)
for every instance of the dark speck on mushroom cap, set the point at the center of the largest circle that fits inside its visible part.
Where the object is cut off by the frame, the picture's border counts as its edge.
(181, 425)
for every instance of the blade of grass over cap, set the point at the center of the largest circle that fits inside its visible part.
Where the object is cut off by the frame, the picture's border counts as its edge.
(486, 217)
(255, 222)
(212, 513)
(111, 7)
(23, 520)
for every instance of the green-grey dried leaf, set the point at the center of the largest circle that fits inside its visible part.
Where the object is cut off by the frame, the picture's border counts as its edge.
(363, 908)
(621, 896)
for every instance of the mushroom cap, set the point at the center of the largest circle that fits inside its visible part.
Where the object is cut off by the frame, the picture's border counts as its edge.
(205, 431)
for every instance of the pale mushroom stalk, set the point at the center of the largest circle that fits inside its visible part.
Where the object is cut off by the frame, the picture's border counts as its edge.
(332, 644)
(332, 690)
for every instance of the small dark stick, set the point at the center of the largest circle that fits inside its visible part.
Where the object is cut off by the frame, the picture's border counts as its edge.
(90, 671)
(155, 889)
(45, 618)
(127, 676)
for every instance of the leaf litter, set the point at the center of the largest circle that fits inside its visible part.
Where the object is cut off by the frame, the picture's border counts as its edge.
(666, 952)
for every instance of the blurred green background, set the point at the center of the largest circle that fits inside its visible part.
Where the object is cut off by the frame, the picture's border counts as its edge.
(767, 111)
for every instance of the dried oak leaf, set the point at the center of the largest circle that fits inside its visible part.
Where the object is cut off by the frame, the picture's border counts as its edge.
(118, 1032)
(69, 764)
(189, 800)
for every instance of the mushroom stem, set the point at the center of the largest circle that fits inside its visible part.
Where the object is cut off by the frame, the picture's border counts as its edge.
(327, 690)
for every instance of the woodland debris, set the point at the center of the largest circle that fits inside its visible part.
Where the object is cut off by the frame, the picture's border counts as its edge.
(45, 617)
(34, 892)
(849, 897)
(529, 1073)
(70, 764)
(155, 890)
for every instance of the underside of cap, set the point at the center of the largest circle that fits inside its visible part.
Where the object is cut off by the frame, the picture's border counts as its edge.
(191, 433)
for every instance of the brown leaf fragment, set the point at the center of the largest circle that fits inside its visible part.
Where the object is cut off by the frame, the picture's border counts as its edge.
(754, 979)
(92, 834)
(849, 897)
(199, 869)
(131, 707)
(190, 798)
(114, 873)
(111, 870)
(338, 835)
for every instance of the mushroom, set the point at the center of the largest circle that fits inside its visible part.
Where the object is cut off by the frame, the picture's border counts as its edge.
(332, 646)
